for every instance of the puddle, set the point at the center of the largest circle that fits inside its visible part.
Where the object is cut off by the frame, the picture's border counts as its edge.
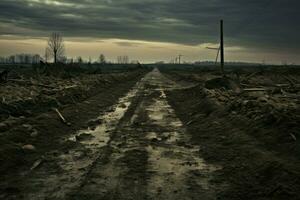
(76, 162)
(172, 163)
(100, 136)
(161, 113)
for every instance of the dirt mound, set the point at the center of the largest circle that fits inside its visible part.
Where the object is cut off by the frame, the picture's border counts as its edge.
(218, 83)
(243, 146)
(206, 105)
(31, 95)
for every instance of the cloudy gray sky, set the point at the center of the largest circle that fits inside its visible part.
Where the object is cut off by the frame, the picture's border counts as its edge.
(150, 30)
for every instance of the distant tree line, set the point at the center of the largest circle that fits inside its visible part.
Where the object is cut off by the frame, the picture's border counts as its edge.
(55, 52)
(21, 59)
(123, 60)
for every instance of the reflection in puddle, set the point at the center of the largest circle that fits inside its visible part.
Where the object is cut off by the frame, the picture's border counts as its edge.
(171, 161)
(101, 134)
(76, 162)
(160, 111)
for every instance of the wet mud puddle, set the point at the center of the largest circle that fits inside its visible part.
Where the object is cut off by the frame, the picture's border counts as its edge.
(150, 155)
(67, 170)
(176, 168)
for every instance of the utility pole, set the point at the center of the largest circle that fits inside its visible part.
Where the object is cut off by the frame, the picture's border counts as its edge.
(222, 47)
(179, 58)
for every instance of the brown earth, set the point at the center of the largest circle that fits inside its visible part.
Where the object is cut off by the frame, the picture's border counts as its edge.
(177, 135)
(31, 120)
(253, 135)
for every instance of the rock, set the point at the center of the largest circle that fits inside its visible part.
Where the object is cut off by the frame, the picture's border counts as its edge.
(34, 133)
(28, 147)
(27, 126)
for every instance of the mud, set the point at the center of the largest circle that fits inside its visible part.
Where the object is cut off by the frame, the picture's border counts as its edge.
(258, 155)
(157, 136)
(149, 156)
(53, 152)
(137, 149)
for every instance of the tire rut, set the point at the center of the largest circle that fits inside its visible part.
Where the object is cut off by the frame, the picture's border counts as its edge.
(150, 154)
(140, 150)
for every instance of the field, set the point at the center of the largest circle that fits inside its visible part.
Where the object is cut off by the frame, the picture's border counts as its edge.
(155, 132)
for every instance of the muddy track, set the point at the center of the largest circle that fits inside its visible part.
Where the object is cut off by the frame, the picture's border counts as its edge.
(148, 155)
(52, 143)
(137, 150)
(251, 169)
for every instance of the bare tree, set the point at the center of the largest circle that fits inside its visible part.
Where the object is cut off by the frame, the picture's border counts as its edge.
(102, 59)
(56, 46)
(119, 59)
(123, 59)
(79, 60)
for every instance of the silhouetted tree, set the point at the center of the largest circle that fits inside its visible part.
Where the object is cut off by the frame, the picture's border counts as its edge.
(102, 59)
(56, 47)
(123, 59)
(79, 60)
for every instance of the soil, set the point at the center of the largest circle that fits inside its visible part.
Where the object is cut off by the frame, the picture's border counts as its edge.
(249, 134)
(42, 127)
(153, 135)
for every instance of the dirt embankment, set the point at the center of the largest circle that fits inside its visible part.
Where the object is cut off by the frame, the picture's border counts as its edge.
(253, 133)
(30, 127)
(31, 95)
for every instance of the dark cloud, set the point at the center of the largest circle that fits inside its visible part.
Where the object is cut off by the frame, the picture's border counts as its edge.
(266, 24)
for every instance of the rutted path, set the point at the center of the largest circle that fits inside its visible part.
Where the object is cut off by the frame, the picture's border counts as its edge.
(140, 150)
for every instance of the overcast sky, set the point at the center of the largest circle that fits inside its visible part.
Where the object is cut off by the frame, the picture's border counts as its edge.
(149, 30)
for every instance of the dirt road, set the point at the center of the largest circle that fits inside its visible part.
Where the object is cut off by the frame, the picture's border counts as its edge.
(160, 139)
(139, 149)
